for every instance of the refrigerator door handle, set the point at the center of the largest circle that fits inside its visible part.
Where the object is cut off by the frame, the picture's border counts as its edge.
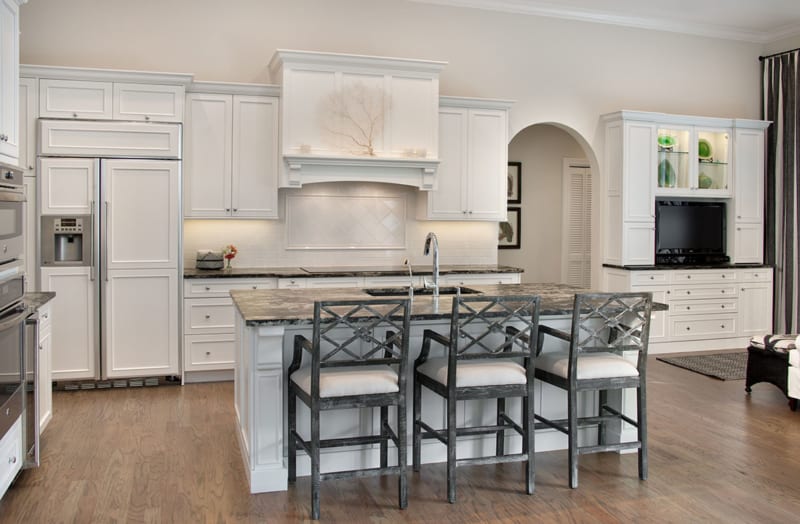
(91, 248)
(105, 243)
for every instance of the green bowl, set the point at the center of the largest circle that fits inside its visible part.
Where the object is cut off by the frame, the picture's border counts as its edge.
(704, 149)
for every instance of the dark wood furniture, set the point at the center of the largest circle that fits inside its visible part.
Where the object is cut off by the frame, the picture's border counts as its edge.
(606, 329)
(352, 366)
(481, 362)
(766, 364)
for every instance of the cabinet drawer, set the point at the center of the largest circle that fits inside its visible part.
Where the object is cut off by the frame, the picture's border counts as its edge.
(208, 315)
(74, 99)
(148, 102)
(398, 281)
(702, 307)
(480, 279)
(692, 327)
(701, 277)
(649, 277)
(680, 292)
(763, 274)
(318, 283)
(292, 283)
(221, 287)
(10, 455)
(209, 352)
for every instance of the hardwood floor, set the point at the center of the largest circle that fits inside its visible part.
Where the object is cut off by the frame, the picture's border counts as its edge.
(169, 454)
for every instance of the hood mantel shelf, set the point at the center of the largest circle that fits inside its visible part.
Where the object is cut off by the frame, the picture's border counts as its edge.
(306, 169)
(388, 106)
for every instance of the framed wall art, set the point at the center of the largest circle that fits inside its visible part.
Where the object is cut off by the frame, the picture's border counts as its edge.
(514, 181)
(508, 231)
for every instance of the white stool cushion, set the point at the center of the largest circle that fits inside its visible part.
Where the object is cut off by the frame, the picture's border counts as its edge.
(779, 343)
(590, 365)
(480, 372)
(346, 381)
(793, 383)
(794, 358)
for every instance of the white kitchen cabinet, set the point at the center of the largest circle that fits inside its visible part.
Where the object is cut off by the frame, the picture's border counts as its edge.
(73, 322)
(693, 161)
(755, 302)
(9, 81)
(81, 99)
(748, 211)
(45, 366)
(31, 242)
(292, 283)
(28, 112)
(148, 102)
(473, 153)
(135, 298)
(328, 282)
(10, 455)
(67, 186)
(231, 156)
(477, 279)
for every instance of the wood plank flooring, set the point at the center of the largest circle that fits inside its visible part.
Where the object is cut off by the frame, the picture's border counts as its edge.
(169, 454)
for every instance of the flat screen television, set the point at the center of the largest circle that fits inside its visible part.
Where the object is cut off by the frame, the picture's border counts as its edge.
(690, 232)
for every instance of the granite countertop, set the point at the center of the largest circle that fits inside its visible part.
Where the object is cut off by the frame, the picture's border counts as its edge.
(295, 307)
(342, 271)
(36, 300)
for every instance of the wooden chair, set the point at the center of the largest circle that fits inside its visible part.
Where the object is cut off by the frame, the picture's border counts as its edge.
(481, 362)
(607, 328)
(352, 367)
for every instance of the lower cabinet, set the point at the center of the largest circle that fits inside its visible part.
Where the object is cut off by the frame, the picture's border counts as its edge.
(708, 308)
(10, 455)
(45, 367)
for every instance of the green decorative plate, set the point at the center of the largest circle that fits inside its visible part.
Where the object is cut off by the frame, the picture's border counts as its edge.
(704, 150)
(666, 141)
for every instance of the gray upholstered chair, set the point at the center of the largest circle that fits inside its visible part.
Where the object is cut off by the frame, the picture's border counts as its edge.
(607, 351)
(352, 365)
(481, 362)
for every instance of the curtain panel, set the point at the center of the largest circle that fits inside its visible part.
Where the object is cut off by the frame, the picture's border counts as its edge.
(780, 105)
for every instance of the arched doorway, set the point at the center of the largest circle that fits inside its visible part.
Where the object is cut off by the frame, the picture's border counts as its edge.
(556, 241)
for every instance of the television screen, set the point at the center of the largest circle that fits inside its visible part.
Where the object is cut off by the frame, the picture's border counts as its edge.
(684, 227)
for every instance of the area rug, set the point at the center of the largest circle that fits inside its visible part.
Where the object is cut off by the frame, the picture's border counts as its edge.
(724, 366)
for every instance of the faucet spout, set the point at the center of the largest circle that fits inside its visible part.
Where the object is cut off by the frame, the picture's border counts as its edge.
(431, 239)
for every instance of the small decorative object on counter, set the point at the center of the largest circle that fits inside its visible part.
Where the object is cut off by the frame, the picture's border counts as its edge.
(229, 252)
(207, 259)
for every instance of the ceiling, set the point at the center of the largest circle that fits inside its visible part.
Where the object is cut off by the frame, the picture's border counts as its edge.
(761, 21)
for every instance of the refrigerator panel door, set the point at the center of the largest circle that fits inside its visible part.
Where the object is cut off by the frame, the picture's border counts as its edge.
(74, 322)
(140, 330)
(140, 213)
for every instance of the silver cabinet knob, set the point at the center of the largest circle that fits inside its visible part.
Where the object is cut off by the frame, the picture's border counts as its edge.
(227, 210)
(12, 460)
(255, 287)
(74, 115)
(208, 316)
(147, 118)
(208, 353)
(208, 288)
(235, 209)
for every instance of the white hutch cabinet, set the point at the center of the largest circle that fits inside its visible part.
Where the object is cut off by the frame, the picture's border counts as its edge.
(9, 81)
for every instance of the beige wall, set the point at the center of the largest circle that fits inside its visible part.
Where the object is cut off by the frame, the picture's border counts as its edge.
(559, 71)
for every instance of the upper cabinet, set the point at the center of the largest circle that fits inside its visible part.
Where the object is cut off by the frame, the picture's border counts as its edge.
(655, 155)
(357, 118)
(231, 154)
(473, 154)
(9, 81)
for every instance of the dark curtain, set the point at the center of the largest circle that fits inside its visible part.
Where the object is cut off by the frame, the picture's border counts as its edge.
(780, 105)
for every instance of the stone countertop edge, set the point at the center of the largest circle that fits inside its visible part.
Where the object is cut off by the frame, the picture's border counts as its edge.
(36, 300)
(296, 272)
(294, 307)
(673, 267)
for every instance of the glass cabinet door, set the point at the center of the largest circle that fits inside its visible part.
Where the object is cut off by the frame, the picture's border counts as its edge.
(713, 157)
(674, 146)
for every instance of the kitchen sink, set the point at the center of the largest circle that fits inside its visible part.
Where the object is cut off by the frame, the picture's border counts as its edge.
(418, 291)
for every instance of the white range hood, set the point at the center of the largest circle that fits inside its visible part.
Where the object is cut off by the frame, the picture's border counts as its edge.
(353, 118)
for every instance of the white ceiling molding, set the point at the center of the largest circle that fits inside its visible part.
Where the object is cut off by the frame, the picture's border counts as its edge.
(600, 13)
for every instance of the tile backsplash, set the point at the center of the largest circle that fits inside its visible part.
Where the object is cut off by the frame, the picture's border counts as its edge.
(342, 224)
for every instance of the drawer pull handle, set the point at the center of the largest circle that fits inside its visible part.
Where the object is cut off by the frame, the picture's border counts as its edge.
(723, 306)
(255, 287)
(208, 316)
(208, 353)
(688, 308)
(12, 460)
(723, 291)
(208, 288)
(688, 328)
(688, 277)
(756, 275)
(722, 326)
(688, 292)
(723, 276)
(652, 277)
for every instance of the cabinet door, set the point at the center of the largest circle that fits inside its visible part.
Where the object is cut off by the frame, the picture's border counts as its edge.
(140, 218)
(68, 185)
(487, 164)
(148, 102)
(140, 336)
(207, 156)
(748, 243)
(75, 99)
(74, 349)
(639, 243)
(448, 200)
(755, 309)
(638, 167)
(749, 175)
(255, 157)
(9, 81)
(28, 95)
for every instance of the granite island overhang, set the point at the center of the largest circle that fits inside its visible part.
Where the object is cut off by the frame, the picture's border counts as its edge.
(266, 322)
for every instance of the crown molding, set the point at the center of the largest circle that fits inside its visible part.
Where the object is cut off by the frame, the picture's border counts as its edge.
(104, 75)
(553, 10)
(233, 88)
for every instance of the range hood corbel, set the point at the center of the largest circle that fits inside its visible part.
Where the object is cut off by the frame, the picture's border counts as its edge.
(416, 172)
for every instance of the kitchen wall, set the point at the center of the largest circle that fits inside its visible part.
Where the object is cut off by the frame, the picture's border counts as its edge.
(561, 71)
(541, 149)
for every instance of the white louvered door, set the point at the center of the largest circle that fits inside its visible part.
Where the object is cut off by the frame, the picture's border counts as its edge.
(576, 240)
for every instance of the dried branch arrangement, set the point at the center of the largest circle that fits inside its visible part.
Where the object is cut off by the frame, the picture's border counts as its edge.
(356, 113)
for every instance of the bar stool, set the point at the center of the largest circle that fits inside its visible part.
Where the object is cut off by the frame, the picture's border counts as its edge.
(481, 362)
(359, 355)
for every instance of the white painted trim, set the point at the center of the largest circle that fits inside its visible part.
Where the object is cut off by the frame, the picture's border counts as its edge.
(348, 62)
(232, 88)
(553, 10)
(104, 75)
(685, 120)
(475, 103)
(302, 169)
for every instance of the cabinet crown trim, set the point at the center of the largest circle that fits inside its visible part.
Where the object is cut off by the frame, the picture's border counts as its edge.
(688, 120)
(104, 75)
(340, 61)
(416, 172)
(234, 88)
(477, 103)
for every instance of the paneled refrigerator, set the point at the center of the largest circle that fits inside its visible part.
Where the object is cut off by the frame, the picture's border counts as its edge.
(110, 248)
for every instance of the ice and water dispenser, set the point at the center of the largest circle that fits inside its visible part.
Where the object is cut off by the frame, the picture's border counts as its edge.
(66, 241)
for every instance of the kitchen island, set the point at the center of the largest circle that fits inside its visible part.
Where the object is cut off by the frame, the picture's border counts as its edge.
(266, 322)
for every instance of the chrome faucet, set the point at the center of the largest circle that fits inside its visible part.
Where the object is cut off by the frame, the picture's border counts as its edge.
(435, 284)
